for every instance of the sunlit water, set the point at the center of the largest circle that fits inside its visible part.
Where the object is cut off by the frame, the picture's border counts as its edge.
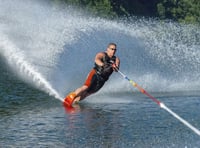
(46, 51)
(31, 118)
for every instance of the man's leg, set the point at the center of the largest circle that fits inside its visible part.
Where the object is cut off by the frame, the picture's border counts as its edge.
(81, 93)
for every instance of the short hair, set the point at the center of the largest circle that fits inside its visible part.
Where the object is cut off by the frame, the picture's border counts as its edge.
(112, 44)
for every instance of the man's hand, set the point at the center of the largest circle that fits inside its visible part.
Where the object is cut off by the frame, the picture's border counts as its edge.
(115, 67)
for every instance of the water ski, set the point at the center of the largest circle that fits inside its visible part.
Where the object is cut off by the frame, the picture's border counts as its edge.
(69, 99)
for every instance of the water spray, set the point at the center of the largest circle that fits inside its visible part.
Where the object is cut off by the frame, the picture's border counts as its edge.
(16, 58)
(161, 104)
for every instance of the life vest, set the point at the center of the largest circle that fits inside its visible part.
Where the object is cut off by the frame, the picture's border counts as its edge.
(106, 70)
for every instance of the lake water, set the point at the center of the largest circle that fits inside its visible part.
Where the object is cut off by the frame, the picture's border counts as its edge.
(47, 50)
(30, 118)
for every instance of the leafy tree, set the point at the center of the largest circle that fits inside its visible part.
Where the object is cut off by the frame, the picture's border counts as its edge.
(187, 11)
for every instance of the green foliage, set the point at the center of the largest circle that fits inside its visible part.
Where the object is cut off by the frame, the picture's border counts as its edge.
(102, 8)
(187, 11)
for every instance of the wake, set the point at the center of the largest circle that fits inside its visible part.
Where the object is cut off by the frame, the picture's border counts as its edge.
(18, 62)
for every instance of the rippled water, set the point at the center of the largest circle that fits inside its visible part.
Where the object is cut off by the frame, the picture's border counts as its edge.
(30, 118)
(46, 51)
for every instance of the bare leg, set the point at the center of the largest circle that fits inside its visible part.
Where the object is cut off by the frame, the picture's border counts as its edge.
(81, 93)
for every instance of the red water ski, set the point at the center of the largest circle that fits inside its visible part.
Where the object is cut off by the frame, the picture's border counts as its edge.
(69, 99)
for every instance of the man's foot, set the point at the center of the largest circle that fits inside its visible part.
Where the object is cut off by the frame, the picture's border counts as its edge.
(76, 100)
(70, 99)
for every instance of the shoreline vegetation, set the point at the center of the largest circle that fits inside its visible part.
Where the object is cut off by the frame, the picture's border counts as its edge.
(182, 11)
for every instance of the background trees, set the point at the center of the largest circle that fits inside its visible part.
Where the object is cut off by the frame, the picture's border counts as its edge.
(180, 10)
(187, 11)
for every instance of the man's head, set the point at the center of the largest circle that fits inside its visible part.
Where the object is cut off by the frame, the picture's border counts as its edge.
(111, 49)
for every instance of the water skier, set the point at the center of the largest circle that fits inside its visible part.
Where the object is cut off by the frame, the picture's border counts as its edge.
(105, 63)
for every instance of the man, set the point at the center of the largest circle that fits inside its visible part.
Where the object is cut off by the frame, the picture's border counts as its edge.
(105, 63)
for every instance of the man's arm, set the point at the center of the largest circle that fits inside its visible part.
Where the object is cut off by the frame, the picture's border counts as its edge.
(98, 59)
(117, 62)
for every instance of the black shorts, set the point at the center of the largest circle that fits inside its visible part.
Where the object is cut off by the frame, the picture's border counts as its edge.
(94, 82)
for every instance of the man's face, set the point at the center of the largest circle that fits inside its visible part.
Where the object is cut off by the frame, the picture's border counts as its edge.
(111, 50)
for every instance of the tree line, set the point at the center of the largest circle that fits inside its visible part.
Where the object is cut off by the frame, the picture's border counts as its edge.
(186, 11)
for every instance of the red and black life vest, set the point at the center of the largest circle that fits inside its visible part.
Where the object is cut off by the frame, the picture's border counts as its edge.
(106, 70)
